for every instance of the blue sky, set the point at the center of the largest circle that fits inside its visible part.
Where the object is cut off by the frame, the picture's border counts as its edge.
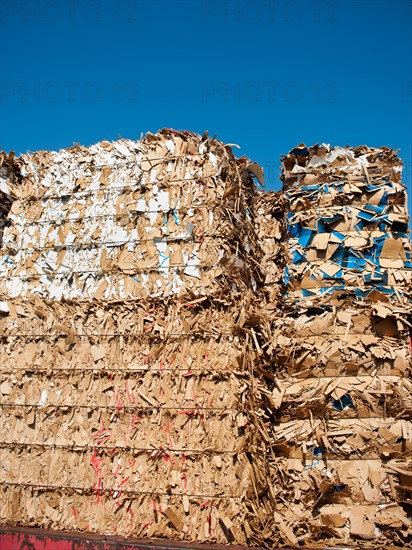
(263, 74)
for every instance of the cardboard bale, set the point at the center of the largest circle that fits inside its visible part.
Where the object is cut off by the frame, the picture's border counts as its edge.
(347, 222)
(126, 287)
(167, 215)
(334, 385)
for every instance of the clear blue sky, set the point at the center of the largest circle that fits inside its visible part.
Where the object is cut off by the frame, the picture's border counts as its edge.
(265, 75)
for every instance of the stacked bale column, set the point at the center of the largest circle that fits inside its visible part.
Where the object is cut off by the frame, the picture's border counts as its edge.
(335, 375)
(126, 393)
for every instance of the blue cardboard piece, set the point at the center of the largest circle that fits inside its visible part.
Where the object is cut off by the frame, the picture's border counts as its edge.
(298, 257)
(305, 237)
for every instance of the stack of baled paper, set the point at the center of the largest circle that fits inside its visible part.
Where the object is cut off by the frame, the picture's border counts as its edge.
(127, 276)
(335, 364)
(186, 358)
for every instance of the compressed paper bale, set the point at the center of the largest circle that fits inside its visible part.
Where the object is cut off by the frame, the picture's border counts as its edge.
(131, 230)
(325, 378)
(139, 377)
(368, 252)
(148, 415)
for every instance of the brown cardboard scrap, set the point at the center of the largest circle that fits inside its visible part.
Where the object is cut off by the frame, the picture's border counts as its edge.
(174, 519)
(360, 525)
(98, 352)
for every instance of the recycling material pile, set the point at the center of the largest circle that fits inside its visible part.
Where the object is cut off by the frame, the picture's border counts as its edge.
(335, 363)
(336, 390)
(347, 221)
(126, 419)
(159, 217)
(185, 358)
(126, 366)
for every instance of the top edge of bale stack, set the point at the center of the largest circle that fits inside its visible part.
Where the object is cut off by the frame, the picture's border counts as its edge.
(303, 165)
